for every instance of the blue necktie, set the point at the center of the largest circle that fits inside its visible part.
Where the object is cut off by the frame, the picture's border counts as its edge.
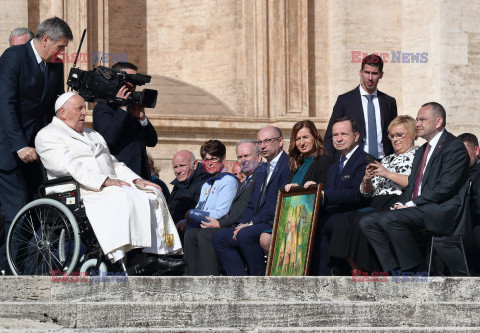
(372, 128)
(340, 167)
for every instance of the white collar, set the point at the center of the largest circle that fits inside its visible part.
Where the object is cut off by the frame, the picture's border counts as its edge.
(350, 154)
(273, 163)
(39, 59)
(436, 138)
(365, 93)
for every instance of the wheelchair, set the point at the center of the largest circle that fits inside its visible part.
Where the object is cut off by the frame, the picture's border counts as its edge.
(52, 234)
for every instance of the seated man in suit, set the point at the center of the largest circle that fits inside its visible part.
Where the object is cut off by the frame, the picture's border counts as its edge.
(199, 252)
(429, 201)
(341, 191)
(371, 109)
(125, 211)
(243, 240)
(471, 143)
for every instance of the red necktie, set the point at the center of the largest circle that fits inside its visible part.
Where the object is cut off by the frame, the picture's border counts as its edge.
(418, 181)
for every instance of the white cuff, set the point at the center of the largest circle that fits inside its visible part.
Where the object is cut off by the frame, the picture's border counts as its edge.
(144, 122)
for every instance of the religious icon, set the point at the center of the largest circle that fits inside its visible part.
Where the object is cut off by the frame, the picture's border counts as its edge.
(293, 231)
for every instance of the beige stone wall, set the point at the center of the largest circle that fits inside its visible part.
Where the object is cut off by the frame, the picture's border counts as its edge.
(15, 15)
(226, 68)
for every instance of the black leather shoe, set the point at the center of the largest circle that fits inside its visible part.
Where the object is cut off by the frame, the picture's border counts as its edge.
(146, 268)
(170, 264)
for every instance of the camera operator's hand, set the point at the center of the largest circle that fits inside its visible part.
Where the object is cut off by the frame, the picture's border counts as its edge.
(137, 111)
(124, 92)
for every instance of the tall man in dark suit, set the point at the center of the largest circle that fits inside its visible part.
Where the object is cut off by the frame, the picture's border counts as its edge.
(31, 79)
(371, 109)
(198, 248)
(341, 191)
(126, 129)
(243, 240)
(430, 200)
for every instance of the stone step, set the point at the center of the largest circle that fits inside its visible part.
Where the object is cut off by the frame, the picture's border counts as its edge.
(246, 330)
(203, 315)
(205, 289)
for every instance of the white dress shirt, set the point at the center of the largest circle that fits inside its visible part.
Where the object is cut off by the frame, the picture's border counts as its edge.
(378, 119)
(433, 143)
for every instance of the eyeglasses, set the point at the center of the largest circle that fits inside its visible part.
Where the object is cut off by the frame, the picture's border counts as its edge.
(267, 141)
(398, 136)
(212, 159)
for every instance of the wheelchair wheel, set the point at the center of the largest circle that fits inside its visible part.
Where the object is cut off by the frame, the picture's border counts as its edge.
(44, 237)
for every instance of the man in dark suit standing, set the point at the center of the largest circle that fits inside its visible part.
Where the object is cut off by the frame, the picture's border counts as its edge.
(341, 191)
(31, 79)
(198, 248)
(430, 200)
(126, 129)
(371, 109)
(243, 240)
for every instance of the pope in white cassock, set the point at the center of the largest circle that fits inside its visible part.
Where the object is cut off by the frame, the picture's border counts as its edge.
(125, 211)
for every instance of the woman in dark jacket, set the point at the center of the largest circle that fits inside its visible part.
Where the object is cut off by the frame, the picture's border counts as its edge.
(309, 162)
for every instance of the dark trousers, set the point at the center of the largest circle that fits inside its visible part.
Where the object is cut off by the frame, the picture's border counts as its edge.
(247, 246)
(321, 245)
(17, 188)
(394, 229)
(199, 252)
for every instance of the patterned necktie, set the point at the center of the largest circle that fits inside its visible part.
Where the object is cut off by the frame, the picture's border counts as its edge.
(418, 180)
(43, 67)
(372, 128)
(262, 190)
(340, 167)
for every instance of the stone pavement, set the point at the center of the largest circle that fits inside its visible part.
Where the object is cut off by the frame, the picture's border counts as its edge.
(239, 304)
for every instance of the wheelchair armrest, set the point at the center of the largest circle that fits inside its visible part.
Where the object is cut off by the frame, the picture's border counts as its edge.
(59, 181)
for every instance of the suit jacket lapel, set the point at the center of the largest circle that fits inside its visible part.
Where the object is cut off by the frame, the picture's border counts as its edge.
(48, 78)
(275, 171)
(438, 148)
(348, 165)
(359, 107)
(383, 107)
(35, 70)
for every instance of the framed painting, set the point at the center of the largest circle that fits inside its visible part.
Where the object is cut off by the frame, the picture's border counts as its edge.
(294, 231)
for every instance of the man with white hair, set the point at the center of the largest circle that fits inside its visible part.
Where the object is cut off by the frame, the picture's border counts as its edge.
(187, 184)
(20, 36)
(125, 211)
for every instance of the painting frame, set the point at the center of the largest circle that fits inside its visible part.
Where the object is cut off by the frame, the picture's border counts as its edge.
(280, 235)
